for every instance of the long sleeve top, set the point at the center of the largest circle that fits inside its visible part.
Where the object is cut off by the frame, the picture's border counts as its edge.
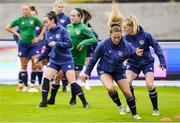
(110, 56)
(60, 53)
(144, 40)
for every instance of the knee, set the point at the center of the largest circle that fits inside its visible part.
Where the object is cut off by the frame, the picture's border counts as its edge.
(39, 66)
(57, 79)
(150, 85)
(111, 88)
(127, 93)
(23, 66)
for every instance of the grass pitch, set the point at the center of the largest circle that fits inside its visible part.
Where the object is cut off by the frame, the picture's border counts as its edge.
(21, 106)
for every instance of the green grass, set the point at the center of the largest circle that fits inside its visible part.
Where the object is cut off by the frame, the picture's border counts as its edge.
(21, 106)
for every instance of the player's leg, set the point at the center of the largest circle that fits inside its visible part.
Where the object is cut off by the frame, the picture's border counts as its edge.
(23, 75)
(124, 86)
(131, 74)
(73, 94)
(55, 87)
(38, 66)
(107, 81)
(75, 87)
(148, 71)
(152, 92)
(49, 73)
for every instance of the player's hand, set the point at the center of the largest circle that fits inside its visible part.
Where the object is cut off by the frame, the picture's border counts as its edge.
(79, 47)
(52, 43)
(18, 35)
(36, 40)
(162, 67)
(84, 77)
(36, 60)
(139, 52)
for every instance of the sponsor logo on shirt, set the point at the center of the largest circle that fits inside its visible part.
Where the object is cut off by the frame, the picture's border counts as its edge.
(23, 23)
(19, 53)
(31, 22)
(48, 64)
(37, 28)
(101, 72)
(127, 66)
(78, 32)
(141, 42)
(57, 35)
(37, 52)
(50, 37)
(119, 53)
(69, 66)
(62, 21)
(77, 67)
(110, 51)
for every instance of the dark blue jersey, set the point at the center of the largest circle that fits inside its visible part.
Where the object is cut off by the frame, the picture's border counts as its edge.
(60, 53)
(144, 40)
(110, 56)
(64, 20)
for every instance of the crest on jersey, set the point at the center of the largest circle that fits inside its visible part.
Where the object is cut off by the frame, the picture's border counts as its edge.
(69, 66)
(78, 32)
(141, 42)
(101, 72)
(37, 52)
(119, 53)
(57, 35)
(127, 66)
(31, 22)
(50, 37)
(37, 28)
(62, 21)
(23, 23)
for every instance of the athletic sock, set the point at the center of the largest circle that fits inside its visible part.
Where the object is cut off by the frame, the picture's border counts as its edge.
(39, 75)
(54, 90)
(132, 105)
(75, 88)
(24, 77)
(64, 82)
(20, 79)
(114, 96)
(33, 77)
(45, 90)
(153, 96)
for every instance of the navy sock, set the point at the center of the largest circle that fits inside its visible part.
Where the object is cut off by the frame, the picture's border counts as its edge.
(114, 96)
(153, 96)
(20, 78)
(54, 90)
(132, 105)
(45, 90)
(73, 94)
(78, 90)
(39, 75)
(24, 77)
(33, 77)
(64, 82)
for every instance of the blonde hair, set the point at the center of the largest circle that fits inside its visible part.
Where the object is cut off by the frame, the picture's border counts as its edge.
(116, 18)
(132, 21)
(55, 3)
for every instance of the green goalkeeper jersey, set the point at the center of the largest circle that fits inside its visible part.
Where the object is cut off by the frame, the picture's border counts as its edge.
(80, 35)
(26, 27)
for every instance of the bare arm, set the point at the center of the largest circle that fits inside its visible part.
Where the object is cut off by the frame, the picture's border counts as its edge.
(10, 29)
